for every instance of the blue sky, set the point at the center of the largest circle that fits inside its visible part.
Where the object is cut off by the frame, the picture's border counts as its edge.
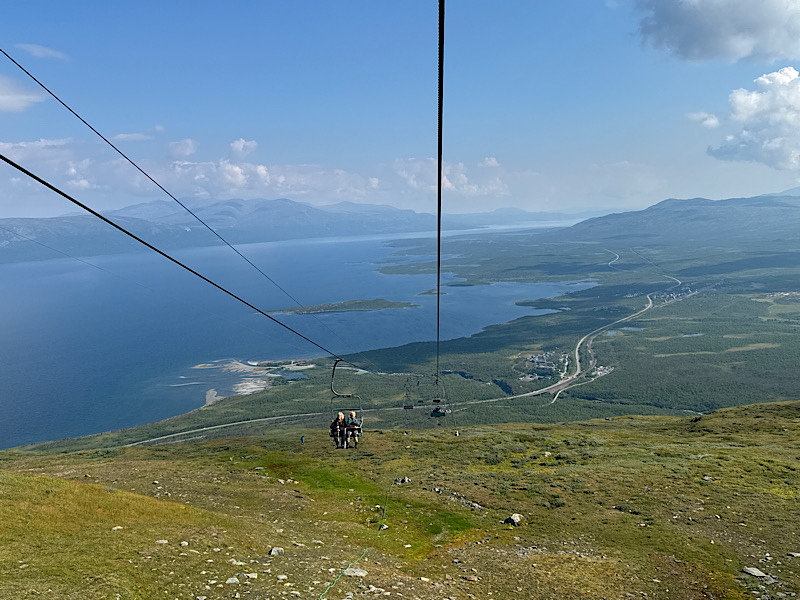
(565, 105)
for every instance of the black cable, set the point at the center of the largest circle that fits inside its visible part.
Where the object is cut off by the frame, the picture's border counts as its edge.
(167, 256)
(163, 189)
(439, 187)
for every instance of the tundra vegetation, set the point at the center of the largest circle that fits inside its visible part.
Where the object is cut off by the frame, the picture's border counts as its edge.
(626, 483)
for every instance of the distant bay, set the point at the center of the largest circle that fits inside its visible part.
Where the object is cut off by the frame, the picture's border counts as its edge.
(87, 348)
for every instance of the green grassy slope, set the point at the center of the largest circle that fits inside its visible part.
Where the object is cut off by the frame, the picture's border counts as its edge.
(664, 506)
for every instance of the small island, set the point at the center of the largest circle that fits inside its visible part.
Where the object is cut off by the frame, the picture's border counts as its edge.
(346, 306)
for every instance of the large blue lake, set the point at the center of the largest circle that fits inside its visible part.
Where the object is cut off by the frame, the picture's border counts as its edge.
(88, 348)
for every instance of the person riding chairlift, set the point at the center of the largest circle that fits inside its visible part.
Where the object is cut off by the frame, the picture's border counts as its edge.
(353, 431)
(338, 428)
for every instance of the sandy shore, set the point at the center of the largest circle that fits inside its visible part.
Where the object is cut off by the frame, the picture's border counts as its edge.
(256, 376)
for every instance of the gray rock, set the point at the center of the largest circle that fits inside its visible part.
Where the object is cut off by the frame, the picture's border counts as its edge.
(384, 526)
(232, 580)
(400, 480)
(754, 572)
(515, 520)
(276, 551)
(355, 572)
(793, 554)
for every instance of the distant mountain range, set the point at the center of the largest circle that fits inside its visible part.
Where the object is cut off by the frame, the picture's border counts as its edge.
(772, 217)
(166, 225)
(762, 219)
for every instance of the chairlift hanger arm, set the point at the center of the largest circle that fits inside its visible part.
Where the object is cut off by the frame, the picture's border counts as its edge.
(333, 375)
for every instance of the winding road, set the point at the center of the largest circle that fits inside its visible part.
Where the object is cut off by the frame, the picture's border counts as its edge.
(555, 389)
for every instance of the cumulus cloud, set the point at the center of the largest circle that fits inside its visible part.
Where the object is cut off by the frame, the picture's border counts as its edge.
(97, 175)
(14, 97)
(731, 29)
(226, 179)
(420, 174)
(49, 155)
(132, 137)
(768, 120)
(38, 51)
(242, 147)
(489, 161)
(183, 148)
(705, 119)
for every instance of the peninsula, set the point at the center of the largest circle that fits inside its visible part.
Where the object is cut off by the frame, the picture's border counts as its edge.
(346, 306)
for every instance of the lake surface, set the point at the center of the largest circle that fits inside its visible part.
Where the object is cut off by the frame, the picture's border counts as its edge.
(90, 348)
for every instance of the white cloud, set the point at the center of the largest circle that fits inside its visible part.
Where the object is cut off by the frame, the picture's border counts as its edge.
(37, 145)
(489, 161)
(729, 29)
(38, 51)
(183, 148)
(420, 174)
(242, 147)
(769, 122)
(132, 137)
(15, 98)
(705, 119)
(417, 173)
(228, 179)
(40, 152)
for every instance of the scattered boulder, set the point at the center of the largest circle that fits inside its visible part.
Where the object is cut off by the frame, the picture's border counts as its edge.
(383, 526)
(401, 480)
(793, 554)
(162, 541)
(515, 520)
(116, 528)
(355, 572)
(754, 572)
(232, 580)
(276, 551)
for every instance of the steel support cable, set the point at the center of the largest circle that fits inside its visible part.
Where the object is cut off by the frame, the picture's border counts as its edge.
(163, 189)
(439, 188)
(78, 203)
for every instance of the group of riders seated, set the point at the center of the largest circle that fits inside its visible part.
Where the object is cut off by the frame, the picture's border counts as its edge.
(345, 432)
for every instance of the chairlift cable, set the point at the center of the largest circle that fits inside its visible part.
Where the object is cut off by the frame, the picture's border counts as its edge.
(167, 256)
(439, 187)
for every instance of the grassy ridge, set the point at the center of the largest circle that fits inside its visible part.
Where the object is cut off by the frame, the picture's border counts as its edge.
(672, 507)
